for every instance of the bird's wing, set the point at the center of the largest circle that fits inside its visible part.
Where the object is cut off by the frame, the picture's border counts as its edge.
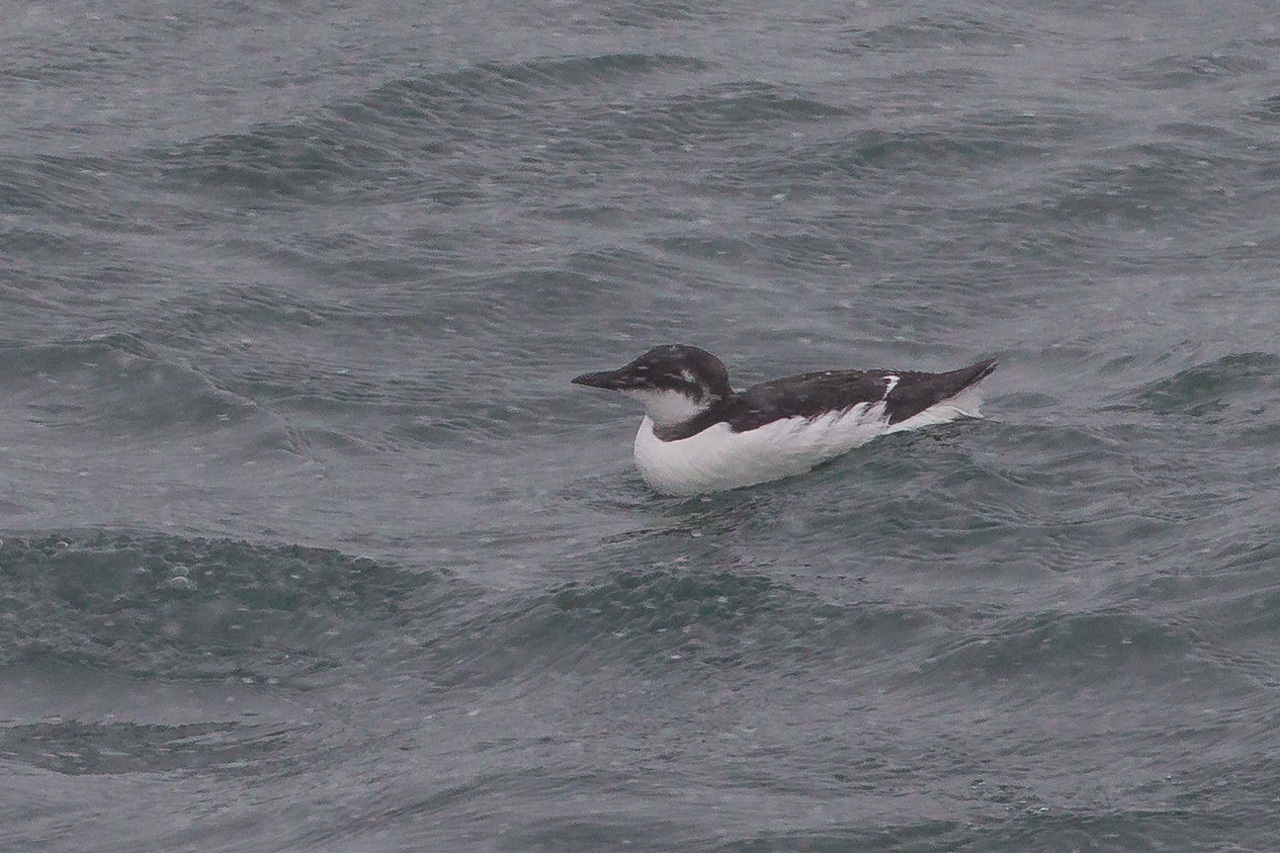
(807, 396)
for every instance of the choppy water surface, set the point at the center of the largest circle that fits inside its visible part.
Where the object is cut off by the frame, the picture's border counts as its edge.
(309, 545)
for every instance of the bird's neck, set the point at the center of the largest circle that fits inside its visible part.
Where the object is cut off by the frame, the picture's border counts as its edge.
(669, 409)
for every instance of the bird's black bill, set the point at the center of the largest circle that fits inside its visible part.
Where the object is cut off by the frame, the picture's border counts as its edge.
(613, 380)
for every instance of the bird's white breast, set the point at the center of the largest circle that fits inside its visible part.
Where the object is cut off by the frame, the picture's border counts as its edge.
(719, 458)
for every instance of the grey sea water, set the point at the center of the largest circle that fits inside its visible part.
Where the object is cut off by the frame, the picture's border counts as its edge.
(308, 544)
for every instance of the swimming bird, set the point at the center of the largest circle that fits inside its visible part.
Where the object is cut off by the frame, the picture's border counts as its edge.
(700, 435)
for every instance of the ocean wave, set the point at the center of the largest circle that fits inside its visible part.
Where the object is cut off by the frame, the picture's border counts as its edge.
(1235, 379)
(1073, 646)
(154, 604)
(938, 30)
(119, 386)
(1177, 71)
(221, 749)
(57, 186)
(380, 138)
(679, 620)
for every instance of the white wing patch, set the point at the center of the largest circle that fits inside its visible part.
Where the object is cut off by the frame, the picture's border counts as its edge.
(890, 382)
